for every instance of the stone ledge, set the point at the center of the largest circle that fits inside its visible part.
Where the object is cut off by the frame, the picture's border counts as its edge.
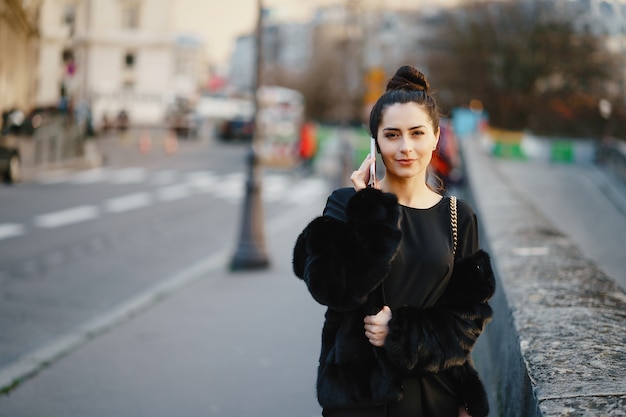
(557, 345)
(596, 405)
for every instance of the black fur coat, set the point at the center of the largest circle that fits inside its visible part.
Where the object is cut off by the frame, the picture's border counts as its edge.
(343, 265)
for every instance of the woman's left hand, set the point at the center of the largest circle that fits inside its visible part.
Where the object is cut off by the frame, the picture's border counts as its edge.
(376, 326)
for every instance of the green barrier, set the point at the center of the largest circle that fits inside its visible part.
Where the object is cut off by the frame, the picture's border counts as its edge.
(361, 138)
(562, 151)
(362, 146)
(508, 150)
(323, 133)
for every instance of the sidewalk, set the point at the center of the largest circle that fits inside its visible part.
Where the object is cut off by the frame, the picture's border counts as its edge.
(208, 342)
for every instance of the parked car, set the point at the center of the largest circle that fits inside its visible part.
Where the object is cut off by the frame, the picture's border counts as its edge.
(10, 162)
(237, 121)
(236, 129)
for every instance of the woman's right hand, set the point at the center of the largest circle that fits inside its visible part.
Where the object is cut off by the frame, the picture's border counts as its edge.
(463, 411)
(361, 176)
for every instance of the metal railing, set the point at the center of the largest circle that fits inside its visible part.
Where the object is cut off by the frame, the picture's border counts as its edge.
(58, 140)
(612, 155)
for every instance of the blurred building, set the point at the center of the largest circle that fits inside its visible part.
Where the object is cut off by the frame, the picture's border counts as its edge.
(380, 37)
(242, 64)
(362, 34)
(287, 49)
(18, 63)
(128, 58)
(111, 56)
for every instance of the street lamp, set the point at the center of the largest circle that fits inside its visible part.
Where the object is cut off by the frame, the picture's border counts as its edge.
(250, 252)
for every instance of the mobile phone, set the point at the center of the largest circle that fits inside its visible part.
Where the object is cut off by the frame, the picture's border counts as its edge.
(372, 178)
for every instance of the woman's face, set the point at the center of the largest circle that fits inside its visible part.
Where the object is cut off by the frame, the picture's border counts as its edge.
(406, 140)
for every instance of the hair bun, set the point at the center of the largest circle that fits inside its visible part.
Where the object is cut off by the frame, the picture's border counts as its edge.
(408, 78)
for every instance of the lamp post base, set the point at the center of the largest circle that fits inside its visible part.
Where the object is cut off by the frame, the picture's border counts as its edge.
(248, 257)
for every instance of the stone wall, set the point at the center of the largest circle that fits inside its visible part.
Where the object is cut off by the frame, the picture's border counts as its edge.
(557, 344)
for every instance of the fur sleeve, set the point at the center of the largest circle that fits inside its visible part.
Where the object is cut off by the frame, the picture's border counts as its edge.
(441, 337)
(342, 262)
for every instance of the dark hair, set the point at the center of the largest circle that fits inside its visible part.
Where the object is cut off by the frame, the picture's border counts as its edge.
(408, 85)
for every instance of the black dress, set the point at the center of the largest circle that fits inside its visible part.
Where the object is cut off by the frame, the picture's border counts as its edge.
(419, 275)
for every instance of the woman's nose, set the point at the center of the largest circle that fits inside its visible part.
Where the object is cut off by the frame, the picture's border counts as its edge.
(405, 144)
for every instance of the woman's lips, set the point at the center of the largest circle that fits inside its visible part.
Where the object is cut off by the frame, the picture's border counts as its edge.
(405, 161)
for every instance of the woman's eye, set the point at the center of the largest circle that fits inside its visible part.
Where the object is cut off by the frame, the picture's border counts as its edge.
(391, 135)
(418, 133)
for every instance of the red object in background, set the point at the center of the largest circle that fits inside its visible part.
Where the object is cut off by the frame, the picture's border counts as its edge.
(446, 159)
(308, 141)
(441, 166)
(216, 83)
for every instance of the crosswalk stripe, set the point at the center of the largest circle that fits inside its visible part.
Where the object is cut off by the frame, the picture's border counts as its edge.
(164, 177)
(173, 192)
(307, 191)
(171, 185)
(174, 185)
(8, 230)
(90, 176)
(128, 176)
(230, 187)
(128, 202)
(202, 181)
(274, 187)
(67, 216)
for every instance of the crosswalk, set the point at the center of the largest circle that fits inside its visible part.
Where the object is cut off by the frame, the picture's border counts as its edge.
(161, 187)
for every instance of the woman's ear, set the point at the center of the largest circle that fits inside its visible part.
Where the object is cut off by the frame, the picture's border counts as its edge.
(437, 133)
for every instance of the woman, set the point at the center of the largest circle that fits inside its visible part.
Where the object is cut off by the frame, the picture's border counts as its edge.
(401, 273)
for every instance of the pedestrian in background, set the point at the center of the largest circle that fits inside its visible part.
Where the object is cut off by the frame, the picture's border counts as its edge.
(446, 160)
(307, 146)
(400, 270)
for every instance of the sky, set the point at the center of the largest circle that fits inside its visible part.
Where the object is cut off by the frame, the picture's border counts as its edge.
(219, 22)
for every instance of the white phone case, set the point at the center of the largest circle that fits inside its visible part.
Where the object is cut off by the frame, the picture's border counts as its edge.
(372, 178)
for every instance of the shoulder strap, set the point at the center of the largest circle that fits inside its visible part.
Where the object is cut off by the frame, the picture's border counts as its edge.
(453, 224)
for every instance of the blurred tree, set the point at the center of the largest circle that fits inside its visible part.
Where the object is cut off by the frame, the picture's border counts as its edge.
(324, 85)
(528, 64)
